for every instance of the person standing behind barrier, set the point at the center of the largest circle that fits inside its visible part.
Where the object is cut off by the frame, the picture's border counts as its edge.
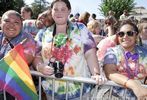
(72, 45)
(126, 63)
(12, 35)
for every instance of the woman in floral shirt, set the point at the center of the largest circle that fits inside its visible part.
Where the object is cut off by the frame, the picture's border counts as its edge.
(126, 64)
(69, 43)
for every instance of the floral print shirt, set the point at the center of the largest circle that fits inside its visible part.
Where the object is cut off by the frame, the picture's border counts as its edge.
(68, 49)
(134, 68)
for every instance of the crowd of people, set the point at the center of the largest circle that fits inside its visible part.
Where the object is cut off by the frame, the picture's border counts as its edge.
(82, 46)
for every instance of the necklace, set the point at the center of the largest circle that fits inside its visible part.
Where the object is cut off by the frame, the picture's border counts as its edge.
(60, 49)
(135, 59)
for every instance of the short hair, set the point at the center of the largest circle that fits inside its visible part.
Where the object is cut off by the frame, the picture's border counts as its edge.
(28, 9)
(93, 16)
(71, 15)
(12, 12)
(77, 14)
(92, 25)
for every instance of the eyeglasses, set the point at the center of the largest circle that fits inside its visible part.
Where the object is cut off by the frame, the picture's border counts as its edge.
(129, 33)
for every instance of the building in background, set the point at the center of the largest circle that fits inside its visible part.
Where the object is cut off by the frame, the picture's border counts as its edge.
(139, 13)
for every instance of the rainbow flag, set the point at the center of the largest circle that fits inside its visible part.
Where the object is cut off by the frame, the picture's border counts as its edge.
(15, 77)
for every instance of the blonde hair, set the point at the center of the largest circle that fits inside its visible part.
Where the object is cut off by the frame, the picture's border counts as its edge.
(92, 25)
(141, 25)
(84, 17)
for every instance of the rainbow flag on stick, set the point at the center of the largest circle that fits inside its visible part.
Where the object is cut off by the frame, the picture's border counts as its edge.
(15, 77)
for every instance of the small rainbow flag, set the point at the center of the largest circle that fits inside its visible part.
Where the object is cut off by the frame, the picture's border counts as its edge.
(15, 77)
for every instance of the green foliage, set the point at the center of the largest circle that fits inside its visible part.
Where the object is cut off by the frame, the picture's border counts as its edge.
(18, 4)
(10, 5)
(39, 6)
(117, 6)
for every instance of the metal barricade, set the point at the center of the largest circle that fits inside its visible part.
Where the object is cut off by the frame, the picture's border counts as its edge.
(73, 79)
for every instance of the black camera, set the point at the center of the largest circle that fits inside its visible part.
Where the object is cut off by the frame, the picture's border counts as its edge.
(58, 68)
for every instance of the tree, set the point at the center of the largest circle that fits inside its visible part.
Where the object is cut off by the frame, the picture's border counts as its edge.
(10, 5)
(118, 6)
(39, 6)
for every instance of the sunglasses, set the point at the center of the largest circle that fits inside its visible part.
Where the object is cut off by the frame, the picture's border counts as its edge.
(129, 33)
(108, 23)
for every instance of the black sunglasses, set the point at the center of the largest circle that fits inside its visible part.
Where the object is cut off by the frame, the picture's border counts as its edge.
(129, 33)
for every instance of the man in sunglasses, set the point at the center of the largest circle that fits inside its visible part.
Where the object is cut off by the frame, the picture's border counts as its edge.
(125, 64)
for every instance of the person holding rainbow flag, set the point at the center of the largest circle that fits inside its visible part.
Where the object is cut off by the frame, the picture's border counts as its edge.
(18, 50)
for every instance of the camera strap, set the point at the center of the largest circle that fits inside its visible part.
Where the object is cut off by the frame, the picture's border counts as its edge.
(53, 34)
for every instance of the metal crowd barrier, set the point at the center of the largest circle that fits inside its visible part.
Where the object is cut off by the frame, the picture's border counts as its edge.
(71, 79)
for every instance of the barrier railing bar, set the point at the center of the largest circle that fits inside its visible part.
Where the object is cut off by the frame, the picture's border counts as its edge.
(67, 83)
(4, 92)
(40, 91)
(75, 79)
(53, 88)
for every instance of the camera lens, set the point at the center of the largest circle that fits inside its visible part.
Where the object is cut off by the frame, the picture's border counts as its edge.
(58, 69)
(59, 75)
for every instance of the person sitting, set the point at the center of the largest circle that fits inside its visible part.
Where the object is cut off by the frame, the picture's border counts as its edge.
(126, 63)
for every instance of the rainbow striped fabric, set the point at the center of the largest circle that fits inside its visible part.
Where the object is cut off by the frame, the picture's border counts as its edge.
(15, 77)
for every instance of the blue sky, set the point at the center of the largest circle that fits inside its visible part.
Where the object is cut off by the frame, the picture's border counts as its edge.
(90, 5)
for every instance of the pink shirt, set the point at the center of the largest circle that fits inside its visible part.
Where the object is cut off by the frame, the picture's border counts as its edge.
(104, 45)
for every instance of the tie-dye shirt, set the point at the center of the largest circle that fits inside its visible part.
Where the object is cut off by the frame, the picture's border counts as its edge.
(69, 51)
(31, 48)
(116, 56)
(29, 26)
